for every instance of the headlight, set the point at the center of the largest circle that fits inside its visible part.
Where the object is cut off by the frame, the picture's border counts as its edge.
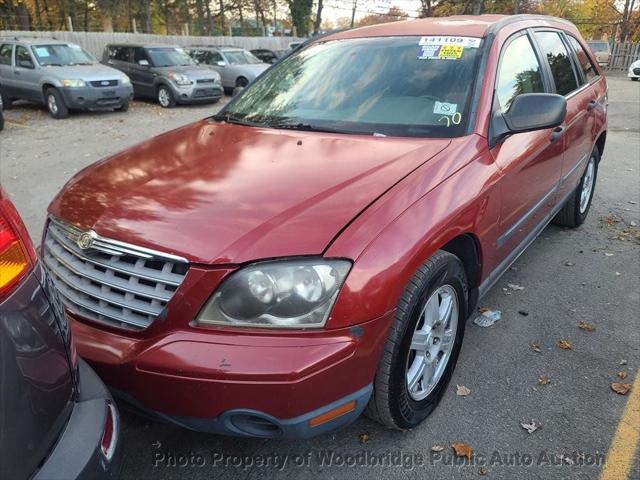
(73, 83)
(296, 293)
(125, 80)
(180, 79)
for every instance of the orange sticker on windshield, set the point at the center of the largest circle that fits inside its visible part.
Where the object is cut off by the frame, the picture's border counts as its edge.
(450, 51)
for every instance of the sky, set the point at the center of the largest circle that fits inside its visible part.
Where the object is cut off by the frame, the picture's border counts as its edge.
(334, 9)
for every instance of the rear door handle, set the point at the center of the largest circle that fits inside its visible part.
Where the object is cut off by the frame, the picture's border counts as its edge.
(557, 133)
(591, 105)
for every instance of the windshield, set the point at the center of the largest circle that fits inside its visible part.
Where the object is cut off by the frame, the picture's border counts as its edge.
(599, 46)
(62, 55)
(399, 86)
(240, 57)
(169, 57)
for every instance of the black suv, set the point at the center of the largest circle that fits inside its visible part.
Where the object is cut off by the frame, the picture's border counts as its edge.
(164, 72)
(57, 419)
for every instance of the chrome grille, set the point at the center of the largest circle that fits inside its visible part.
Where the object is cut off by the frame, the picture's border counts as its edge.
(109, 281)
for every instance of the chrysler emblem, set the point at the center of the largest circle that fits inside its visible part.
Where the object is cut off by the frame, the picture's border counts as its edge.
(85, 240)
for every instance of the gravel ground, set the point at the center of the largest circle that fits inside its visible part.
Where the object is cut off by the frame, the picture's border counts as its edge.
(591, 274)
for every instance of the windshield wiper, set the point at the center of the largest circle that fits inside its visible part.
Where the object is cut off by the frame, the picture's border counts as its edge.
(307, 127)
(229, 118)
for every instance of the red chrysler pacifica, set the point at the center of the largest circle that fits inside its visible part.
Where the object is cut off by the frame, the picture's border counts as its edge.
(315, 248)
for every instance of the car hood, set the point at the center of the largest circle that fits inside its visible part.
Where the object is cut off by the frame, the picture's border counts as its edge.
(85, 72)
(219, 193)
(192, 71)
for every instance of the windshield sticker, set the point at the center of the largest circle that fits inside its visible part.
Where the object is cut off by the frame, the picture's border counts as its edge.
(444, 108)
(42, 52)
(442, 52)
(465, 42)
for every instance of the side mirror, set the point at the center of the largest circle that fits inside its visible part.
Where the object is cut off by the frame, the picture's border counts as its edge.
(535, 111)
(221, 63)
(143, 62)
(26, 64)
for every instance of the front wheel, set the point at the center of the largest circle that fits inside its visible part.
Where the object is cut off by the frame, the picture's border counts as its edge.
(635, 79)
(575, 210)
(242, 82)
(424, 341)
(55, 104)
(165, 97)
(124, 107)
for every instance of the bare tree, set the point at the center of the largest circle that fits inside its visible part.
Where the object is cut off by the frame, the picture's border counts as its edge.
(318, 22)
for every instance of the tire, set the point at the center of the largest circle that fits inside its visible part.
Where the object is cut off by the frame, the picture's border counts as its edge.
(242, 82)
(55, 104)
(575, 210)
(124, 107)
(635, 79)
(392, 404)
(7, 101)
(1, 121)
(165, 97)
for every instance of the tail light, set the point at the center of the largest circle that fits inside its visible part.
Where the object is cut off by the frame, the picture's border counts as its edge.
(17, 255)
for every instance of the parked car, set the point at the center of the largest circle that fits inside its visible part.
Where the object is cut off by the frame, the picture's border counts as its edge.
(60, 75)
(236, 66)
(634, 71)
(58, 419)
(265, 55)
(164, 72)
(317, 246)
(602, 51)
(1, 115)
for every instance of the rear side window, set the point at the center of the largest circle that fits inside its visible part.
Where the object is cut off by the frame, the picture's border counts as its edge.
(119, 53)
(559, 61)
(5, 54)
(519, 72)
(585, 62)
(140, 54)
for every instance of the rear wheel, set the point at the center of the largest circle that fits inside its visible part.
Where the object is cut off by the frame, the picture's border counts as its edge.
(165, 97)
(55, 104)
(575, 210)
(422, 348)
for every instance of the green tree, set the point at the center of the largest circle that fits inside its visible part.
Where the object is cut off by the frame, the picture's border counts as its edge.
(301, 15)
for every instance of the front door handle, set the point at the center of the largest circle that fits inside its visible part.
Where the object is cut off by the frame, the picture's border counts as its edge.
(557, 133)
(591, 105)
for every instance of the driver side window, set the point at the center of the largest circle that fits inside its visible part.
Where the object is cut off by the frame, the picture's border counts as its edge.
(519, 72)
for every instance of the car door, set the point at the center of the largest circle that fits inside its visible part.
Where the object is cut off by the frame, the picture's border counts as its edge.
(6, 69)
(225, 70)
(530, 162)
(142, 76)
(26, 74)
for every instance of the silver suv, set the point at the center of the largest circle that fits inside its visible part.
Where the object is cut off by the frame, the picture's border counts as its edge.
(237, 67)
(61, 75)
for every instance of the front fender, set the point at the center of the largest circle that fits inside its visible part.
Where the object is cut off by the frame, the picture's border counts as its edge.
(453, 194)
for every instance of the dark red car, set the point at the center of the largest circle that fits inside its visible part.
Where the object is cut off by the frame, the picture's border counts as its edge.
(315, 248)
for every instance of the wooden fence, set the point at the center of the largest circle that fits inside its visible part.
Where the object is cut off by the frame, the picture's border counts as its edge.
(623, 55)
(95, 42)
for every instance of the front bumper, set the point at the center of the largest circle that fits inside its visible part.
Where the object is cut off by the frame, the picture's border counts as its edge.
(197, 93)
(94, 97)
(254, 384)
(78, 453)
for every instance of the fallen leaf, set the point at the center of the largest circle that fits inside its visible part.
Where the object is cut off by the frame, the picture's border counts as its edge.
(513, 286)
(586, 326)
(462, 391)
(569, 264)
(483, 471)
(462, 450)
(535, 346)
(544, 380)
(530, 427)
(364, 437)
(621, 388)
(483, 309)
(524, 313)
(565, 344)
(437, 448)
(622, 374)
